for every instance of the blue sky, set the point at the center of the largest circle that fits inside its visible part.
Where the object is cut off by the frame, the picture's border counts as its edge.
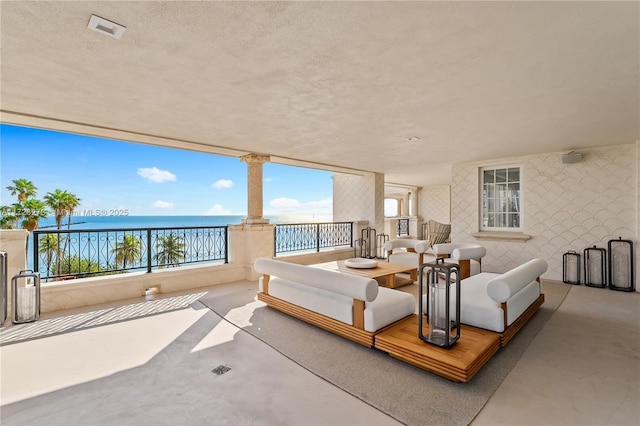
(149, 180)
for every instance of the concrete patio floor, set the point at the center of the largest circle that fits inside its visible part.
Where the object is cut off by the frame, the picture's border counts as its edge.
(153, 363)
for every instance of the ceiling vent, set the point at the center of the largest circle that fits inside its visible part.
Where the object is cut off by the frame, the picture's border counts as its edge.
(106, 27)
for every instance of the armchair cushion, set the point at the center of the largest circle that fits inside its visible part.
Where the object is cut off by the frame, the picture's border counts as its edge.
(419, 246)
(460, 251)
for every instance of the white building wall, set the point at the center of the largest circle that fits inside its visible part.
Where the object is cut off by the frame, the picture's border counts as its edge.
(564, 206)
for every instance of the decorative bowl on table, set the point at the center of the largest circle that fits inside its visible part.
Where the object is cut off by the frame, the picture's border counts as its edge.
(362, 263)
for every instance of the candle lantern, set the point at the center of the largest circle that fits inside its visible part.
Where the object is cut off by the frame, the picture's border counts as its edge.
(595, 267)
(442, 311)
(3, 287)
(25, 294)
(571, 267)
(621, 265)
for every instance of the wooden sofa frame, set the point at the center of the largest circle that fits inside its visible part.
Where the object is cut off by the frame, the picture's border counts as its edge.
(355, 332)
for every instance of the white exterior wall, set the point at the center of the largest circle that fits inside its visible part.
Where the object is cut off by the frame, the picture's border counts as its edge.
(564, 206)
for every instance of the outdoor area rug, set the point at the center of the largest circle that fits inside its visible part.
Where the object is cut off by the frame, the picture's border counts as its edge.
(408, 394)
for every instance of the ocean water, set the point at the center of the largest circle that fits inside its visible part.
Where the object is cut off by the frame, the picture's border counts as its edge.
(117, 222)
(80, 223)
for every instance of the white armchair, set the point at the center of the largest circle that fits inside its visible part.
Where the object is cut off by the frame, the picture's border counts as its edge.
(409, 252)
(414, 253)
(468, 256)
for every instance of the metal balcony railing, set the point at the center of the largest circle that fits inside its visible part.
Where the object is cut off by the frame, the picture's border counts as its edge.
(312, 236)
(67, 254)
(403, 227)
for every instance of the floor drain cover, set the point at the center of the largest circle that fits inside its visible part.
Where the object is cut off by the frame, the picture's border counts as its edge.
(220, 370)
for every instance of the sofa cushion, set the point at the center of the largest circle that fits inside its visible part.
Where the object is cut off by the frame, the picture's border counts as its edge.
(389, 306)
(327, 303)
(506, 285)
(476, 308)
(352, 286)
(520, 301)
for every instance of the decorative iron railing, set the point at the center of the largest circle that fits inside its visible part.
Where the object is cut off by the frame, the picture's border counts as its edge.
(403, 227)
(67, 254)
(312, 236)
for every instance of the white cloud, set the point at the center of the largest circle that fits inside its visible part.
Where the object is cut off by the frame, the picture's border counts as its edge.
(222, 183)
(155, 175)
(218, 210)
(163, 204)
(284, 203)
(290, 206)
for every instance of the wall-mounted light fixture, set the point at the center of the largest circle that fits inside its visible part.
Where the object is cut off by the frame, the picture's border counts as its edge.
(572, 157)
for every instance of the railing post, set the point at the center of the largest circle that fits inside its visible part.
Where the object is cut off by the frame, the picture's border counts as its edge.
(36, 258)
(226, 244)
(275, 241)
(148, 250)
(351, 233)
(317, 237)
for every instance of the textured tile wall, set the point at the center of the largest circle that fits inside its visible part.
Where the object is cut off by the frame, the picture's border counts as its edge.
(358, 197)
(565, 206)
(435, 203)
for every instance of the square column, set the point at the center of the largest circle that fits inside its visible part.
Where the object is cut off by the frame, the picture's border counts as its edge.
(254, 188)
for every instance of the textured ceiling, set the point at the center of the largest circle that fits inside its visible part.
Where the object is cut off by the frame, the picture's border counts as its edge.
(337, 83)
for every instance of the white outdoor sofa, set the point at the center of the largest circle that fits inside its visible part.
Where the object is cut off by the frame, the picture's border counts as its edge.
(502, 303)
(351, 306)
(416, 252)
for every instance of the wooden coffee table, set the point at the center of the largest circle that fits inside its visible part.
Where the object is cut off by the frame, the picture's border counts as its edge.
(385, 271)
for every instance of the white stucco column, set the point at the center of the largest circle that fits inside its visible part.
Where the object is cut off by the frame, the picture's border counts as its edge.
(254, 188)
(413, 204)
(404, 210)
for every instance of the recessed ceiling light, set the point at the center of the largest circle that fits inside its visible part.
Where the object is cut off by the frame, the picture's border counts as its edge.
(106, 27)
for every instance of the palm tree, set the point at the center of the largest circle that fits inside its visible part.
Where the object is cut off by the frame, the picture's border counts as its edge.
(8, 219)
(23, 188)
(50, 248)
(127, 250)
(72, 202)
(59, 201)
(62, 203)
(32, 211)
(170, 250)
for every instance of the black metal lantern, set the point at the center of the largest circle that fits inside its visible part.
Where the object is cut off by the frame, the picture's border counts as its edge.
(367, 243)
(25, 296)
(3, 287)
(571, 267)
(382, 239)
(435, 301)
(595, 267)
(621, 275)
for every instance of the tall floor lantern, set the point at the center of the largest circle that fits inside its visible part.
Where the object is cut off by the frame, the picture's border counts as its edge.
(595, 267)
(25, 295)
(621, 275)
(571, 267)
(435, 301)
